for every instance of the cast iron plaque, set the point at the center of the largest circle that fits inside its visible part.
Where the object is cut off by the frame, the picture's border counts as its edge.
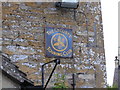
(58, 42)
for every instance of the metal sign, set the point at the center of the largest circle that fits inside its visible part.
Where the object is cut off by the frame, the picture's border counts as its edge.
(58, 42)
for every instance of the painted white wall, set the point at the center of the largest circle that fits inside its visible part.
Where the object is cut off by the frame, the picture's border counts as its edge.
(7, 83)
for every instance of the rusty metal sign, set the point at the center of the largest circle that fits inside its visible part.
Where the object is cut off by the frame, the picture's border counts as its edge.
(58, 42)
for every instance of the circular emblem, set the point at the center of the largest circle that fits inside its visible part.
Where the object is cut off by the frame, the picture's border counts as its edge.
(59, 42)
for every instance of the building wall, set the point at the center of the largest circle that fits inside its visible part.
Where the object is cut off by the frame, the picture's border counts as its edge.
(8, 83)
(0, 80)
(23, 41)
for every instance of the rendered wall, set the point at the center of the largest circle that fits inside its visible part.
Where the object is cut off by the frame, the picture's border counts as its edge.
(8, 83)
(23, 29)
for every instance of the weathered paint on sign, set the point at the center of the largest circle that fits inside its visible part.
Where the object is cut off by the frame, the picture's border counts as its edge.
(58, 42)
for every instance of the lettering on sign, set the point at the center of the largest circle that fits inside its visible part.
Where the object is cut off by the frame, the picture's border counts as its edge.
(58, 42)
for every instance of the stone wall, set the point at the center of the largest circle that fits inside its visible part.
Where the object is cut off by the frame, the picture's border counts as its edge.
(23, 28)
